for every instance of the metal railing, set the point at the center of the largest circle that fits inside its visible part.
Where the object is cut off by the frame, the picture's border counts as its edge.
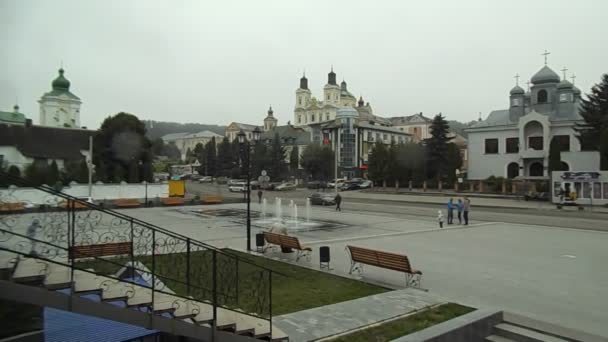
(170, 263)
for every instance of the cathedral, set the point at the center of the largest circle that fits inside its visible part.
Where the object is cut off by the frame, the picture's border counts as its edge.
(60, 107)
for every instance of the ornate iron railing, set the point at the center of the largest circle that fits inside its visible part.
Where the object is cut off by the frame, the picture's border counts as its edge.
(173, 263)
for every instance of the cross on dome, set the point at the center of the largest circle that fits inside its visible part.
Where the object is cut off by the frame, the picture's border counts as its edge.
(564, 71)
(546, 53)
(516, 79)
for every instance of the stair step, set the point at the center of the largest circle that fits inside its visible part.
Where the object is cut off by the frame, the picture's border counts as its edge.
(496, 338)
(30, 270)
(58, 277)
(521, 334)
(7, 260)
(278, 335)
(113, 290)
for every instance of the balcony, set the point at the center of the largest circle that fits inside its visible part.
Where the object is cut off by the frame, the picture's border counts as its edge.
(532, 154)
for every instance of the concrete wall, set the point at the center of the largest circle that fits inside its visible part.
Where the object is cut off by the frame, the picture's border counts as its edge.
(33, 196)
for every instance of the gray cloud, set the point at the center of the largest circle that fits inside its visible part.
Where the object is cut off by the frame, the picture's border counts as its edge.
(215, 62)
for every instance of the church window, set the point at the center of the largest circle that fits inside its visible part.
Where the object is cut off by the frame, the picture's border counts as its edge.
(541, 97)
(535, 143)
(336, 96)
(312, 117)
(299, 118)
(328, 97)
(515, 102)
(564, 97)
(491, 146)
(300, 100)
(512, 145)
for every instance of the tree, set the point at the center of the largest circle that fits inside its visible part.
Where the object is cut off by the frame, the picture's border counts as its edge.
(211, 158)
(14, 171)
(594, 110)
(53, 175)
(454, 162)
(555, 162)
(604, 150)
(393, 168)
(259, 159)
(294, 159)
(121, 141)
(76, 171)
(158, 147)
(172, 152)
(377, 163)
(278, 167)
(224, 158)
(318, 161)
(411, 158)
(437, 147)
(133, 175)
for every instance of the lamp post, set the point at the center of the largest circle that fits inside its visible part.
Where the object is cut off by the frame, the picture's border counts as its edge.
(246, 154)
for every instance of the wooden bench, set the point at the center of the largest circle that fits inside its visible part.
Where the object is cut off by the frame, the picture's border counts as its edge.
(172, 200)
(212, 200)
(77, 205)
(102, 249)
(289, 242)
(391, 261)
(127, 203)
(11, 207)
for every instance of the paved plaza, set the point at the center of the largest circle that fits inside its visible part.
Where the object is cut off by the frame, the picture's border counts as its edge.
(548, 273)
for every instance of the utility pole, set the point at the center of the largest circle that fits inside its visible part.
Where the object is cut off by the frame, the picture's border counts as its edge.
(337, 153)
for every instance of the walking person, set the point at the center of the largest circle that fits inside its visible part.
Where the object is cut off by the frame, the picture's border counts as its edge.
(466, 208)
(440, 218)
(460, 207)
(260, 193)
(451, 211)
(338, 202)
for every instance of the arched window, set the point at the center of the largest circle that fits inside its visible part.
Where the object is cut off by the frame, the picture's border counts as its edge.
(541, 97)
(536, 169)
(512, 170)
(565, 166)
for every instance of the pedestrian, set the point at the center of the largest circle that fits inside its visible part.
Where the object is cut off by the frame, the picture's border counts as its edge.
(260, 193)
(466, 208)
(451, 211)
(31, 233)
(460, 208)
(440, 218)
(338, 202)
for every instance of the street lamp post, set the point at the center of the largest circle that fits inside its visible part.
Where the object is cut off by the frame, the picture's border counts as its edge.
(246, 150)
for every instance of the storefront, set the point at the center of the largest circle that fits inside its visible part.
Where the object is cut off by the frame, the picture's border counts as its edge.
(588, 188)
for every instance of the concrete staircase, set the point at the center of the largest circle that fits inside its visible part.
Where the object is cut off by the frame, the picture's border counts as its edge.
(516, 328)
(45, 283)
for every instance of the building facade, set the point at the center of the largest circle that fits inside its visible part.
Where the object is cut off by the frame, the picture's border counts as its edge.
(514, 142)
(418, 125)
(235, 127)
(187, 141)
(60, 107)
(13, 118)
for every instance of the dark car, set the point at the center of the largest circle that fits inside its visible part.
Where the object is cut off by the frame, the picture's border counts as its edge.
(316, 185)
(536, 196)
(350, 185)
(322, 198)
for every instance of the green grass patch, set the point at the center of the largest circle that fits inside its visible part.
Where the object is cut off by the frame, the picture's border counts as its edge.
(407, 325)
(299, 289)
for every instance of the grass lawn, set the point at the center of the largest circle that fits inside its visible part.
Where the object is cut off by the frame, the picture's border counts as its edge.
(300, 289)
(407, 325)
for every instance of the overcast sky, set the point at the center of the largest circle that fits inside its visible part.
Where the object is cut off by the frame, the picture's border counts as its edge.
(221, 61)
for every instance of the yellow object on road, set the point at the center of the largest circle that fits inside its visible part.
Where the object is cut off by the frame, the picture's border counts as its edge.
(177, 188)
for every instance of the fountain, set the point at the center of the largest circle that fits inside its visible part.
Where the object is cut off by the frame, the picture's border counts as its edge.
(295, 214)
(308, 210)
(277, 208)
(264, 209)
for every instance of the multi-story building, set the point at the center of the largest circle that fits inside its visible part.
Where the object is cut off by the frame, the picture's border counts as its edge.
(418, 125)
(188, 141)
(514, 142)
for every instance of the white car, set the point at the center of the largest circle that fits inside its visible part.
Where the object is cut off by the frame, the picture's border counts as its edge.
(332, 184)
(238, 187)
(285, 187)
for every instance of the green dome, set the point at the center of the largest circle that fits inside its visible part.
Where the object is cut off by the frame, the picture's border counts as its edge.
(564, 84)
(545, 75)
(61, 83)
(517, 90)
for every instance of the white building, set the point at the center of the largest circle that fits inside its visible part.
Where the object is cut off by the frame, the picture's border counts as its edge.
(188, 141)
(418, 125)
(514, 142)
(59, 107)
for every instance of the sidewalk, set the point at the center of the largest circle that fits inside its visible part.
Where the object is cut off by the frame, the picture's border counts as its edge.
(342, 317)
(476, 200)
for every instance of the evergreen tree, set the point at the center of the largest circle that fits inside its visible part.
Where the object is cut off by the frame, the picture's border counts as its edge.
(318, 161)
(454, 162)
(278, 167)
(259, 159)
(393, 169)
(437, 147)
(294, 159)
(211, 158)
(224, 158)
(604, 151)
(133, 175)
(377, 163)
(594, 110)
(555, 162)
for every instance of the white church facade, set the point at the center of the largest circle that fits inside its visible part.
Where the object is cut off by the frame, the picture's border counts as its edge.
(60, 107)
(515, 142)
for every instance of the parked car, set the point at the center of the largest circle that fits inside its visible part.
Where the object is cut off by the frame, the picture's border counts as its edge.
(206, 179)
(536, 196)
(365, 184)
(322, 198)
(285, 187)
(238, 187)
(332, 183)
(316, 185)
(350, 185)
(236, 181)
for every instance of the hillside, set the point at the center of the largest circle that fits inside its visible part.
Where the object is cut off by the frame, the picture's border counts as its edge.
(156, 129)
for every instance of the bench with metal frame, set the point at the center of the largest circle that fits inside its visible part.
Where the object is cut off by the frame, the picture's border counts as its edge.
(99, 250)
(172, 200)
(212, 200)
(288, 242)
(127, 203)
(391, 261)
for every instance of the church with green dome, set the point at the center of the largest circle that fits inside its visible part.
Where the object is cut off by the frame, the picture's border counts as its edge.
(60, 107)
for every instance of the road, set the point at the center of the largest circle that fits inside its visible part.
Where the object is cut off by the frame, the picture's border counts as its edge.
(417, 206)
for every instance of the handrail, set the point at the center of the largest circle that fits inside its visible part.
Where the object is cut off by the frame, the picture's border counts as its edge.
(48, 189)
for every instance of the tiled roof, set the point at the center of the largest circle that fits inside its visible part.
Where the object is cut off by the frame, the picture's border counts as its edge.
(12, 117)
(46, 142)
